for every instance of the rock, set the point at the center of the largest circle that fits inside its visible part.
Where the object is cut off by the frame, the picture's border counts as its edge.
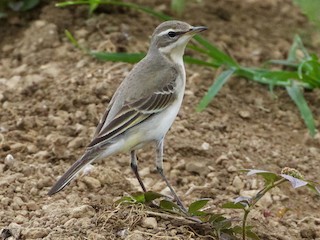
(45, 181)
(197, 167)
(91, 182)
(32, 206)
(32, 233)
(77, 142)
(244, 114)
(238, 183)
(20, 219)
(13, 230)
(266, 201)
(222, 158)
(149, 222)
(205, 146)
(9, 160)
(83, 211)
(232, 169)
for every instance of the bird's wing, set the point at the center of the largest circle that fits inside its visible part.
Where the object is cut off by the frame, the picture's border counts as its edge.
(134, 112)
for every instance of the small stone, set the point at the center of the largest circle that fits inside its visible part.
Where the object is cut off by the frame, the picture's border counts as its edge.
(150, 222)
(197, 167)
(32, 233)
(92, 182)
(83, 211)
(9, 160)
(15, 230)
(221, 158)
(20, 219)
(248, 193)
(32, 206)
(77, 142)
(205, 146)
(232, 169)
(244, 114)
(266, 201)
(238, 183)
(45, 181)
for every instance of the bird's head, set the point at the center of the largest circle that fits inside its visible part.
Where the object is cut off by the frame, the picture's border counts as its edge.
(171, 37)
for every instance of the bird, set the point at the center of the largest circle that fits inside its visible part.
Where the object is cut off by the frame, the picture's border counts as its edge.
(144, 106)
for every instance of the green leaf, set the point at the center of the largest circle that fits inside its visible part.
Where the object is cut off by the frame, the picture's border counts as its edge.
(169, 206)
(126, 199)
(71, 38)
(118, 57)
(196, 61)
(296, 95)
(215, 88)
(221, 57)
(232, 205)
(269, 177)
(150, 196)
(197, 205)
(139, 197)
(251, 234)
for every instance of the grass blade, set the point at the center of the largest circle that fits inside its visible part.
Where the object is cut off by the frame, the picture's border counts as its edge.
(118, 57)
(215, 88)
(216, 54)
(296, 95)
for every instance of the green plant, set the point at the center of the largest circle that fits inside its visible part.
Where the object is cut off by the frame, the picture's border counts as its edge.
(218, 223)
(271, 181)
(303, 72)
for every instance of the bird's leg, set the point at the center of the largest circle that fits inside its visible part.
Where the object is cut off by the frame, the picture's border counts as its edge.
(134, 168)
(159, 164)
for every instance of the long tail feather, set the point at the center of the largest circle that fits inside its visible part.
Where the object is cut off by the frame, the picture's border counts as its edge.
(72, 172)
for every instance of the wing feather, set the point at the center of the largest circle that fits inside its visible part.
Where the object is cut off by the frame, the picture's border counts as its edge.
(135, 113)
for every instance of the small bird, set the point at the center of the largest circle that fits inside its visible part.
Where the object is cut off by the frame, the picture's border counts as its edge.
(144, 106)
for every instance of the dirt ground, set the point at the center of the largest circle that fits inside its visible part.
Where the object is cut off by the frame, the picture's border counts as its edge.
(52, 96)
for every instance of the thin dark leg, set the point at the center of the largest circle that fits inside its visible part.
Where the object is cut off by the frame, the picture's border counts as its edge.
(159, 163)
(134, 168)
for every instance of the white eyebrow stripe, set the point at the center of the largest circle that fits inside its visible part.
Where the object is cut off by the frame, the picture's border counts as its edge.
(166, 32)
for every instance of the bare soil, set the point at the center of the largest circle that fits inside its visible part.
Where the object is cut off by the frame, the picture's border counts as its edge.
(52, 96)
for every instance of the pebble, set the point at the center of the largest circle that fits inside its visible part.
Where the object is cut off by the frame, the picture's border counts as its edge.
(238, 183)
(43, 182)
(197, 167)
(91, 182)
(244, 114)
(221, 158)
(150, 222)
(232, 169)
(33, 233)
(9, 160)
(205, 146)
(15, 230)
(20, 219)
(83, 211)
(77, 142)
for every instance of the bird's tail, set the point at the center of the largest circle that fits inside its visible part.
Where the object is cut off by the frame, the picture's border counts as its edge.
(72, 172)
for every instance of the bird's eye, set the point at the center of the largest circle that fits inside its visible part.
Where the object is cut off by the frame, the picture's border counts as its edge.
(172, 34)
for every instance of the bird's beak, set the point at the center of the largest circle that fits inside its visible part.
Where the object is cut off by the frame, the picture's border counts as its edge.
(197, 29)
